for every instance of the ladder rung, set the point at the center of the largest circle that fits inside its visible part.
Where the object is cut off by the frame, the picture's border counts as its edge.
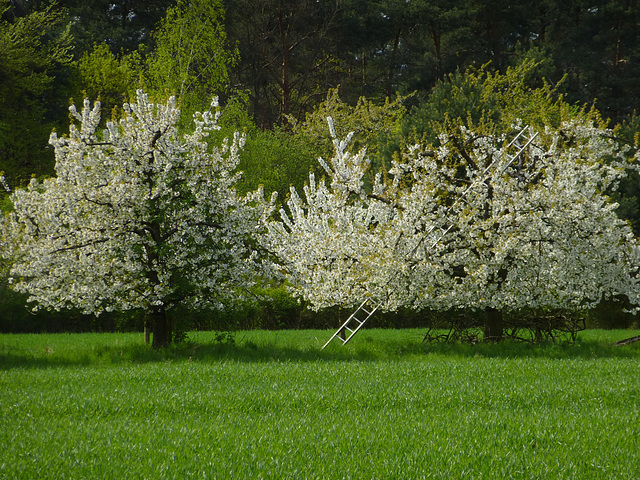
(370, 310)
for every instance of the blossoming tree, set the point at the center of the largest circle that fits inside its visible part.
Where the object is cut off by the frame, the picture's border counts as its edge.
(138, 217)
(466, 223)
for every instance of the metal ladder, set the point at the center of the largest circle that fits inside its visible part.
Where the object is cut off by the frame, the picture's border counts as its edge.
(369, 306)
(354, 323)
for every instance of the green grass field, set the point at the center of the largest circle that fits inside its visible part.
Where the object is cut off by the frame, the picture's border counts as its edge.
(273, 405)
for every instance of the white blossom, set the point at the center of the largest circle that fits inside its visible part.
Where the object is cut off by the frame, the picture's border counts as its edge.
(136, 217)
(3, 183)
(444, 231)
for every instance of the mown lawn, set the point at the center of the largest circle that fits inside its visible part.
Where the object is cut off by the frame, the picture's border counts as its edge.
(273, 405)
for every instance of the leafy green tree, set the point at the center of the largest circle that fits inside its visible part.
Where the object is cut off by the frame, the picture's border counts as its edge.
(367, 119)
(191, 58)
(113, 79)
(275, 159)
(493, 100)
(371, 123)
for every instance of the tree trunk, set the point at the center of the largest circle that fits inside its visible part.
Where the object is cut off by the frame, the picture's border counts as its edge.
(437, 45)
(396, 44)
(493, 324)
(285, 85)
(160, 325)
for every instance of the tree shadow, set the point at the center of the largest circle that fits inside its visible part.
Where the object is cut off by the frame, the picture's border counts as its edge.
(368, 347)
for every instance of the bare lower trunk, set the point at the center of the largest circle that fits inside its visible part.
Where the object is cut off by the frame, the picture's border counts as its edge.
(161, 327)
(493, 328)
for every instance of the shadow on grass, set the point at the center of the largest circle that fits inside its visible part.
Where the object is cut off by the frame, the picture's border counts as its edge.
(367, 348)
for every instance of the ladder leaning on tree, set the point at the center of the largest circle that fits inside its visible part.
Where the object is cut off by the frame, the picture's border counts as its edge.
(369, 306)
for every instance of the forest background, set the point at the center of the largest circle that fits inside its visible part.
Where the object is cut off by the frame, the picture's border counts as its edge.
(386, 68)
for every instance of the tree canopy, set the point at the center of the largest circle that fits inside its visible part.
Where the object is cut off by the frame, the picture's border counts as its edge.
(140, 217)
(473, 219)
(191, 57)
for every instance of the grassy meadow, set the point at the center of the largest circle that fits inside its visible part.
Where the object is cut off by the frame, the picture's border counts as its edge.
(272, 405)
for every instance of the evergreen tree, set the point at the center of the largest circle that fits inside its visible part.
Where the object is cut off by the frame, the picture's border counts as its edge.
(35, 54)
(123, 25)
(288, 50)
